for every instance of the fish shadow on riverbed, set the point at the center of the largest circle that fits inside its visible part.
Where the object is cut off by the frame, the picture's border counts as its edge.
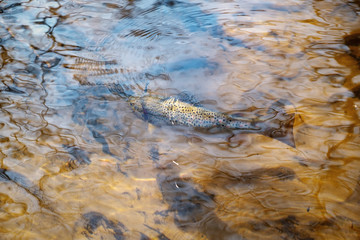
(197, 208)
(91, 222)
(193, 209)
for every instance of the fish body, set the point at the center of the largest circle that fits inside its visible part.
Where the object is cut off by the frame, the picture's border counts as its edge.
(176, 112)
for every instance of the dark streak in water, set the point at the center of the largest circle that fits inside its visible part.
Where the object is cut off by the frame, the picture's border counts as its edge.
(81, 156)
(356, 91)
(281, 173)
(101, 139)
(144, 237)
(154, 153)
(163, 213)
(2, 9)
(24, 183)
(93, 220)
(87, 117)
(288, 226)
(353, 42)
(18, 179)
(138, 193)
(194, 210)
(161, 236)
(11, 89)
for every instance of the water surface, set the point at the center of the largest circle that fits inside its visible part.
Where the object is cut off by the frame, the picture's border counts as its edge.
(77, 163)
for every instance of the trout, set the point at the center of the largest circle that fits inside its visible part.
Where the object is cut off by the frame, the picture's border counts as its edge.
(173, 111)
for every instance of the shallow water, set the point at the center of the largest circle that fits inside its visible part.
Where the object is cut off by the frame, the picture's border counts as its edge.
(77, 163)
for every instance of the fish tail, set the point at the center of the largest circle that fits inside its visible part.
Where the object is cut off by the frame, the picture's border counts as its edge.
(247, 125)
(280, 126)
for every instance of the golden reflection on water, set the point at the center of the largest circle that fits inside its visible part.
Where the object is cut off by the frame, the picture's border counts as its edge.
(76, 162)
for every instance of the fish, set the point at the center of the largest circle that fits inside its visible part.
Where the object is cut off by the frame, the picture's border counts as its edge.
(174, 111)
(184, 111)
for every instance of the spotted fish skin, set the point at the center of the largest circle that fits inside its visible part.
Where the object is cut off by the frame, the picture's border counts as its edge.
(159, 110)
(176, 112)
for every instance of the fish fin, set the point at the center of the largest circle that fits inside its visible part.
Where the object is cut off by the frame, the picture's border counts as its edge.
(188, 98)
(280, 126)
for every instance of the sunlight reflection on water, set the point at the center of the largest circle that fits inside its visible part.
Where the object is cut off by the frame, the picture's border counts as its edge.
(77, 163)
